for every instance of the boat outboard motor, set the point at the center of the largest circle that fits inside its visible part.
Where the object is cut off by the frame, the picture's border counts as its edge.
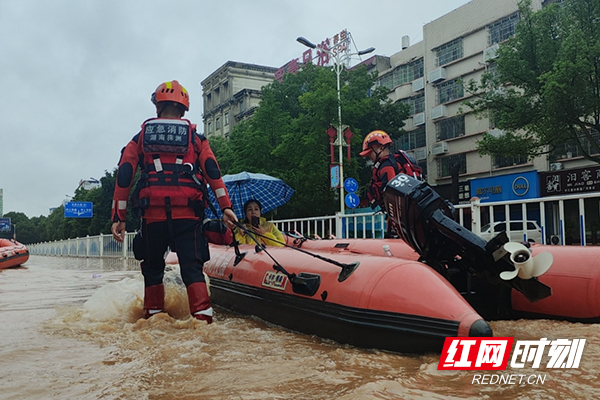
(425, 221)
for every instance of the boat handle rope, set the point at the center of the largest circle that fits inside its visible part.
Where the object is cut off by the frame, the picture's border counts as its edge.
(277, 266)
(347, 269)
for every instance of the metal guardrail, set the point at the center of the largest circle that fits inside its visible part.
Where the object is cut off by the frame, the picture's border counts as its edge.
(103, 246)
(554, 214)
(360, 225)
(363, 225)
(564, 220)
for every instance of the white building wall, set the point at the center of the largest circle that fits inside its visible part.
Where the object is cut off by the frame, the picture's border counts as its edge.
(468, 23)
(220, 89)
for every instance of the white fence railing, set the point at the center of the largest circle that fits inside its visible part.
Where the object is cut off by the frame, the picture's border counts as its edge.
(103, 246)
(572, 220)
(360, 225)
(565, 220)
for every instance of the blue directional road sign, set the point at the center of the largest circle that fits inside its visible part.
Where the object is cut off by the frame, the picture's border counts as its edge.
(79, 209)
(351, 200)
(351, 185)
(5, 225)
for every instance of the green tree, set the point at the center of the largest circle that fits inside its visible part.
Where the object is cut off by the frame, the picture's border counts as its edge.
(56, 225)
(545, 89)
(286, 136)
(23, 227)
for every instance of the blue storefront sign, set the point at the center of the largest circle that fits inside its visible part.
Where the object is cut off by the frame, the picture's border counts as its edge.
(79, 209)
(506, 187)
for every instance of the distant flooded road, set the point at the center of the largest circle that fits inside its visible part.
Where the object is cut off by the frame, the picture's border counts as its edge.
(70, 329)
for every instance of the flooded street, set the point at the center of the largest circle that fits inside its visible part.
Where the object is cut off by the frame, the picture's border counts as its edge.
(70, 329)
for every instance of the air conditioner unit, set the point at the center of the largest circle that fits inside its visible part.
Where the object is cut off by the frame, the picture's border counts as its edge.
(418, 84)
(496, 132)
(418, 119)
(491, 52)
(439, 148)
(437, 75)
(421, 154)
(438, 112)
(556, 166)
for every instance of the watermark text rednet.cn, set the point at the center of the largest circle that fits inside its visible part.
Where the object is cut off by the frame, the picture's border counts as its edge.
(492, 354)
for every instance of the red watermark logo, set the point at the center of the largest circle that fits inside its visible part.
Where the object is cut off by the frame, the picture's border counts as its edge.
(476, 353)
(493, 353)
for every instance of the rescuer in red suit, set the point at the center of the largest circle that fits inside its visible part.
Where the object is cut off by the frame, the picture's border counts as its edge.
(377, 147)
(175, 162)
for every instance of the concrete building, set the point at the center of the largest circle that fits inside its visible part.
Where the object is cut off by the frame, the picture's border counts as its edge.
(557, 190)
(89, 184)
(428, 75)
(231, 94)
(442, 133)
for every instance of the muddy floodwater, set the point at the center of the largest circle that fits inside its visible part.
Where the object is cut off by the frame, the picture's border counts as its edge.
(70, 329)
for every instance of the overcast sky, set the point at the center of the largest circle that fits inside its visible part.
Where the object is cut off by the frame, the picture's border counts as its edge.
(76, 75)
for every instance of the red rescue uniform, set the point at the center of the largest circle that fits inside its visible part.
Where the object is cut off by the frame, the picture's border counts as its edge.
(175, 165)
(384, 171)
(164, 162)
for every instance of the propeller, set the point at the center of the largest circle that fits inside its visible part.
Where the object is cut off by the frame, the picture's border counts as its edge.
(526, 266)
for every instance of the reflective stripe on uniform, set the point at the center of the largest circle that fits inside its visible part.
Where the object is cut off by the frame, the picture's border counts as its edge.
(157, 165)
(208, 311)
(220, 192)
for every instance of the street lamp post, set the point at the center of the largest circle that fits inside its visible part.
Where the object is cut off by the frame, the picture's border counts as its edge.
(339, 59)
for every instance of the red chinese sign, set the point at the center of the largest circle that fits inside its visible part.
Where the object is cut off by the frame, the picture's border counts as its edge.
(339, 43)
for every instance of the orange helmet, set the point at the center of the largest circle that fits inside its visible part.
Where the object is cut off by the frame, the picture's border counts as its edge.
(171, 91)
(379, 137)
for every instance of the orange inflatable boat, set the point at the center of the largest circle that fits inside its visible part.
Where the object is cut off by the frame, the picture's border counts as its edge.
(440, 280)
(367, 301)
(574, 280)
(12, 253)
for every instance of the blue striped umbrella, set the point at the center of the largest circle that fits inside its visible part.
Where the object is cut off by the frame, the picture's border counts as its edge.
(271, 192)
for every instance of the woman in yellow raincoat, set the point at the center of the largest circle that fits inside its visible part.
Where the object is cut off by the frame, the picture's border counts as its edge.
(255, 223)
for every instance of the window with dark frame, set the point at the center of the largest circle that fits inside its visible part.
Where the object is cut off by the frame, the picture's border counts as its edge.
(569, 148)
(445, 164)
(503, 28)
(450, 128)
(448, 52)
(450, 90)
(411, 140)
(507, 161)
(402, 74)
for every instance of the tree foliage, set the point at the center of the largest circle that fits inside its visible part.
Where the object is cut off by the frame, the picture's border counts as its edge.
(286, 137)
(545, 89)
